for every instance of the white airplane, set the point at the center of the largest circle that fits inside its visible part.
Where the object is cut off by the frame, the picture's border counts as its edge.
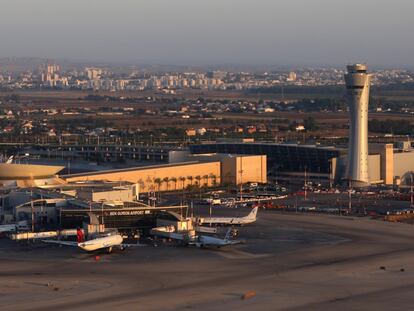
(210, 241)
(10, 160)
(197, 240)
(232, 221)
(8, 228)
(107, 242)
(21, 225)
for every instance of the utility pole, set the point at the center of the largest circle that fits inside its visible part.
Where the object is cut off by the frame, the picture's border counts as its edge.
(330, 174)
(350, 197)
(211, 204)
(305, 186)
(241, 183)
(241, 177)
(411, 191)
(33, 215)
(102, 213)
(296, 203)
(339, 207)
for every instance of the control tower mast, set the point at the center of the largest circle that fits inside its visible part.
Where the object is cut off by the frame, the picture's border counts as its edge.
(357, 84)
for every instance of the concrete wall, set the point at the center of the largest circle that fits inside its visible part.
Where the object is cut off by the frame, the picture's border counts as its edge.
(235, 169)
(244, 169)
(374, 168)
(120, 194)
(186, 156)
(386, 152)
(387, 164)
(154, 178)
(178, 156)
(403, 162)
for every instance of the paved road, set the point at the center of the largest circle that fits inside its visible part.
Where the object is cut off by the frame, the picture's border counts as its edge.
(292, 262)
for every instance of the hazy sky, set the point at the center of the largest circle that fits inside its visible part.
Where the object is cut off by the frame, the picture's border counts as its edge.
(192, 32)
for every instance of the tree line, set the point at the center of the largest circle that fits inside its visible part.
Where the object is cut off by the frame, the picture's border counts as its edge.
(398, 127)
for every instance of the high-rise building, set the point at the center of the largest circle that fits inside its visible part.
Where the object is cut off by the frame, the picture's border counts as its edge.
(93, 73)
(291, 77)
(357, 84)
(49, 74)
(51, 69)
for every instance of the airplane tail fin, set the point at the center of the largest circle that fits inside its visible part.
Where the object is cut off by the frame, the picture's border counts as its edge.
(253, 213)
(93, 220)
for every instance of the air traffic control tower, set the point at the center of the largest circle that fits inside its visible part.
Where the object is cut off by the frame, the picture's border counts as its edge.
(357, 86)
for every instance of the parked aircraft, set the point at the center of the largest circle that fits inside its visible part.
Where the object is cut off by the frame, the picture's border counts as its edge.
(232, 221)
(107, 242)
(211, 241)
(8, 228)
(196, 240)
(21, 225)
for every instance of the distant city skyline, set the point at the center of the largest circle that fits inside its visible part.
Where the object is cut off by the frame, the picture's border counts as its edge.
(200, 33)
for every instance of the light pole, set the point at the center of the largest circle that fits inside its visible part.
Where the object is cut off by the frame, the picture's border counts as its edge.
(241, 183)
(305, 186)
(339, 207)
(210, 211)
(33, 214)
(350, 197)
(241, 177)
(296, 203)
(411, 190)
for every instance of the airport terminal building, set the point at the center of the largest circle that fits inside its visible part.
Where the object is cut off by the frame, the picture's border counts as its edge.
(38, 194)
(281, 158)
(387, 163)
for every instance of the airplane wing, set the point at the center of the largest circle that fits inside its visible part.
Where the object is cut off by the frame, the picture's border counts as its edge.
(212, 244)
(234, 242)
(123, 245)
(206, 229)
(7, 229)
(67, 243)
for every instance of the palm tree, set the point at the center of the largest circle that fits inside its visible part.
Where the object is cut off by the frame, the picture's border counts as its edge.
(151, 190)
(167, 181)
(190, 187)
(214, 178)
(158, 181)
(205, 177)
(141, 185)
(151, 183)
(174, 180)
(182, 179)
(198, 178)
